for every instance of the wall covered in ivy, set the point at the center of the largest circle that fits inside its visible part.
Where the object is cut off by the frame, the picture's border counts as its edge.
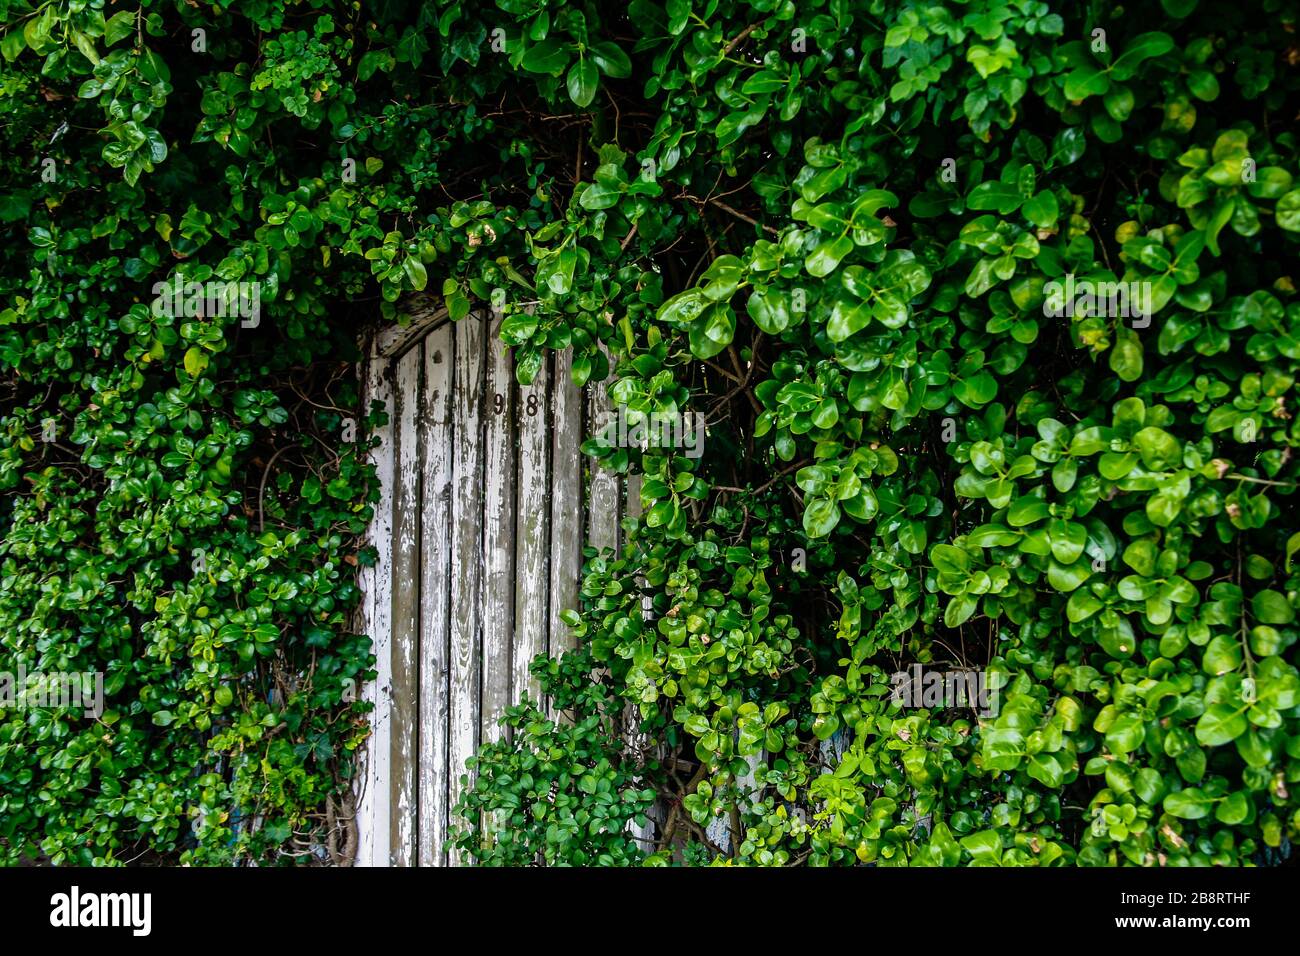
(990, 310)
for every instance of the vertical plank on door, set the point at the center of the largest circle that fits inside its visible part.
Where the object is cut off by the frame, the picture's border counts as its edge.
(498, 532)
(406, 609)
(603, 489)
(566, 499)
(376, 584)
(644, 835)
(435, 569)
(531, 584)
(467, 551)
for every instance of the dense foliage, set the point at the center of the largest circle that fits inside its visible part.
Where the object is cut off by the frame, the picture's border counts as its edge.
(838, 230)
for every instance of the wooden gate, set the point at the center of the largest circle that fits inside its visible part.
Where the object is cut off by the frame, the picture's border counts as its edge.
(485, 505)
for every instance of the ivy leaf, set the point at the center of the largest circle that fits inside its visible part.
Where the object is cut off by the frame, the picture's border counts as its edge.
(823, 260)
(712, 331)
(1086, 81)
(770, 310)
(1003, 197)
(1042, 210)
(960, 609)
(1126, 734)
(416, 273)
(1220, 724)
(847, 318)
(984, 847)
(1142, 47)
(1272, 607)
(1287, 212)
(1233, 809)
(610, 59)
(1046, 769)
(119, 26)
(1126, 356)
(583, 81)
(548, 56)
(820, 517)
(1222, 655)
(196, 360)
(1189, 804)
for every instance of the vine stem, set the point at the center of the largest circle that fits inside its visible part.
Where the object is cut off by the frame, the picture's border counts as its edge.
(766, 485)
(261, 490)
(1260, 481)
(740, 38)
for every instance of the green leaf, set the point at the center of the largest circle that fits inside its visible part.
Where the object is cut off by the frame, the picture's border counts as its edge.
(1203, 85)
(583, 81)
(1233, 809)
(712, 331)
(1272, 607)
(984, 847)
(600, 195)
(1140, 48)
(820, 517)
(1189, 804)
(847, 318)
(1220, 724)
(1222, 655)
(960, 609)
(770, 310)
(1126, 356)
(682, 308)
(824, 259)
(196, 360)
(1287, 212)
(119, 26)
(1046, 769)
(1159, 449)
(1068, 539)
(1067, 577)
(1126, 734)
(548, 56)
(610, 59)
(416, 273)
(560, 279)
(1042, 210)
(1002, 197)
(1086, 81)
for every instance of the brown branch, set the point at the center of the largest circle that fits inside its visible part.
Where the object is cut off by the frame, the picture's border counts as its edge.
(740, 38)
(740, 215)
(766, 485)
(261, 489)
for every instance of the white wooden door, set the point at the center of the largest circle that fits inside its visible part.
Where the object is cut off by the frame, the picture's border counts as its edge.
(485, 505)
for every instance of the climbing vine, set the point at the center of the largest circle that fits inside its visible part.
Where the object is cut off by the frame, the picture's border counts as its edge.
(988, 309)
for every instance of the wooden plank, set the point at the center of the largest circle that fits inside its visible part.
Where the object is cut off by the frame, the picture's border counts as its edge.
(406, 611)
(644, 835)
(467, 552)
(719, 829)
(435, 609)
(375, 584)
(498, 533)
(604, 490)
(566, 500)
(532, 587)
(425, 314)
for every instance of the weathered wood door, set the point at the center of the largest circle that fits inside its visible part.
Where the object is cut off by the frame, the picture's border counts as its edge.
(485, 506)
